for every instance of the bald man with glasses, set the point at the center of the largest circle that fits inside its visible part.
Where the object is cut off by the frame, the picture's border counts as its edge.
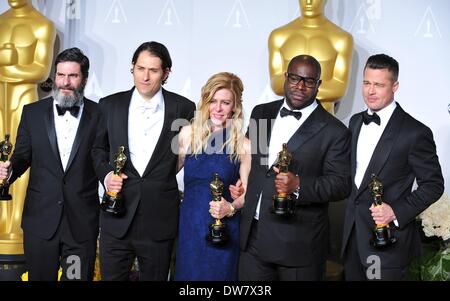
(293, 247)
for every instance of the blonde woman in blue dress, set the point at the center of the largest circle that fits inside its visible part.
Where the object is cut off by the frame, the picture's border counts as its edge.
(214, 142)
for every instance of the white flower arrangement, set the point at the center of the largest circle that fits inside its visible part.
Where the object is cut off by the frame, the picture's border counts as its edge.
(436, 218)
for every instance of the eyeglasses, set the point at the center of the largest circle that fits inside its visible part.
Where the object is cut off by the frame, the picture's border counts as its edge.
(295, 79)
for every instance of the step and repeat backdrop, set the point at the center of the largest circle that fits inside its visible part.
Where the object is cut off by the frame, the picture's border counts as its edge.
(209, 36)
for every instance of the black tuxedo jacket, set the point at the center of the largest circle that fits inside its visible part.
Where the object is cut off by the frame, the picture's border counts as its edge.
(406, 151)
(321, 157)
(156, 192)
(52, 190)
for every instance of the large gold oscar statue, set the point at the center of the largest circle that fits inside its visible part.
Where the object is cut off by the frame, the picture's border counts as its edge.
(312, 33)
(26, 53)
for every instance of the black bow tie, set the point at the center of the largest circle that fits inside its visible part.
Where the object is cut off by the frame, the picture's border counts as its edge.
(367, 118)
(74, 110)
(285, 112)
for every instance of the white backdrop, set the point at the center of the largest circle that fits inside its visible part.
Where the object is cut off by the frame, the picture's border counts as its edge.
(209, 36)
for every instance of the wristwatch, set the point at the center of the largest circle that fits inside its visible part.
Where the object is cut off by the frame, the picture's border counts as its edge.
(296, 192)
(233, 210)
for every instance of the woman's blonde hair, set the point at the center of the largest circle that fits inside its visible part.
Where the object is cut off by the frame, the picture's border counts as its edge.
(201, 129)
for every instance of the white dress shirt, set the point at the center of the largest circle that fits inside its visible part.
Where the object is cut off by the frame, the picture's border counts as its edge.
(283, 129)
(66, 127)
(145, 122)
(368, 139)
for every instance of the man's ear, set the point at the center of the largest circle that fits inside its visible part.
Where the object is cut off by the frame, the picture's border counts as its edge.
(395, 86)
(166, 73)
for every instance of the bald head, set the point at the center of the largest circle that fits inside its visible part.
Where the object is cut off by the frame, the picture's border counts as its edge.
(305, 59)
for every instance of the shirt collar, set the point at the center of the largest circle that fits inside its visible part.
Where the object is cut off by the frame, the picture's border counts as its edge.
(385, 113)
(156, 102)
(80, 104)
(306, 111)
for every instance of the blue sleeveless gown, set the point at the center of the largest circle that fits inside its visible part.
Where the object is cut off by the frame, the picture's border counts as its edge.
(196, 259)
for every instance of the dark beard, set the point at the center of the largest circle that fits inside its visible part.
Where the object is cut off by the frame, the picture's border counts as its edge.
(67, 101)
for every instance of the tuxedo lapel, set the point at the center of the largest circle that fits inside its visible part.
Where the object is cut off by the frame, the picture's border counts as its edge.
(384, 147)
(164, 140)
(355, 129)
(308, 129)
(81, 131)
(266, 122)
(120, 120)
(271, 116)
(49, 119)
(120, 124)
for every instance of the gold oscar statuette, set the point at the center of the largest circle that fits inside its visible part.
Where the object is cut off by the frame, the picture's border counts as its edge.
(112, 202)
(218, 232)
(5, 150)
(283, 204)
(381, 234)
(313, 34)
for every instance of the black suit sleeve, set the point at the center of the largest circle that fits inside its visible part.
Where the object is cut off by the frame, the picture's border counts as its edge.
(190, 111)
(100, 149)
(252, 125)
(21, 158)
(424, 164)
(334, 183)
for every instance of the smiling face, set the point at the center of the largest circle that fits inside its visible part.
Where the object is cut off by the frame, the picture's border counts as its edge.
(148, 74)
(378, 88)
(221, 107)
